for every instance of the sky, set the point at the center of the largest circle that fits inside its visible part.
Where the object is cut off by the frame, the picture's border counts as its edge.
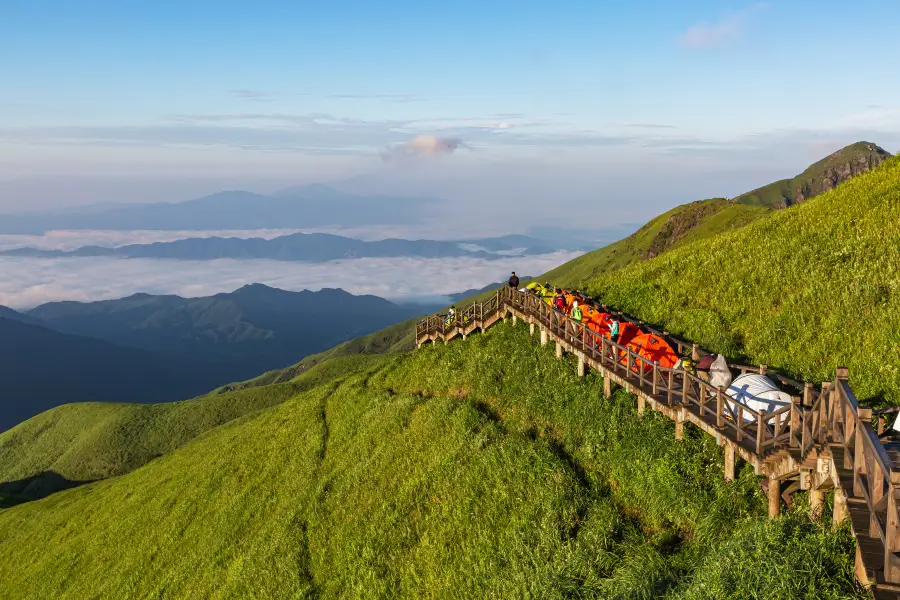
(637, 106)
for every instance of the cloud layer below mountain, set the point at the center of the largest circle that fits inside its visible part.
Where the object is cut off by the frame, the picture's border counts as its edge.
(28, 282)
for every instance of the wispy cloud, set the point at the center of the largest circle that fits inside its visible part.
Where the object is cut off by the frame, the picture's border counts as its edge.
(649, 126)
(252, 95)
(400, 98)
(708, 35)
(874, 116)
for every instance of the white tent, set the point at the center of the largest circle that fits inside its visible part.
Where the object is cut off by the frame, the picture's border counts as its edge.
(757, 392)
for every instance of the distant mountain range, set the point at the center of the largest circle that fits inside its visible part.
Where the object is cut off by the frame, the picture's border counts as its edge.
(41, 368)
(309, 247)
(307, 206)
(147, 348)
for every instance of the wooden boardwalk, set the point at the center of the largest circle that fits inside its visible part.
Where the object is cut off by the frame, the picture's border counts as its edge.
(823, 440)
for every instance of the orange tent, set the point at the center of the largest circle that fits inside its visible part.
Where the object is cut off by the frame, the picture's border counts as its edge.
(600, 323)
(652, 348)
(588, 313)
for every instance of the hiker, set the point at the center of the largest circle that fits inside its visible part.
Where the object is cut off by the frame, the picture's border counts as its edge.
(451, 315)
(576, 312)
(559, 301)
(613, 330)
(513, 281)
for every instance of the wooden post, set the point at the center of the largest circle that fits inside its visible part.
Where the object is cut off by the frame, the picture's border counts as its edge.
(679, 424)
(774, 494)
(840, 507)
(796, 433)
(760, 431)
(515, 319)
(763, 369)
(729, 461)
(695, 352)
(641, 404)
(558, 350)
(531, 329)
(671, 385)
(655, 379)
(580, 364)
(543, 337)
(607, 385)
(816, 503)
(685, 386)
(720, 407)
(892, 532)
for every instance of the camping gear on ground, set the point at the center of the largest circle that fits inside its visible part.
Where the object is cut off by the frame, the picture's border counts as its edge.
(653, 348)
(687, 364)
(719, 373)
(706, 362)
(756, 392)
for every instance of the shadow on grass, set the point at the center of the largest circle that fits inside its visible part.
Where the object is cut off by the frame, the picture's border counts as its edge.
(34, 488)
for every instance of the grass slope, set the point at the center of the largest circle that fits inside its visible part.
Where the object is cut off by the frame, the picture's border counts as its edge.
(444, 473)
(96, 440)
(672, 229)
(806, 289)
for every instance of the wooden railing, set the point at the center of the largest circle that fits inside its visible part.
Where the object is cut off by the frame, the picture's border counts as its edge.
(782, 442)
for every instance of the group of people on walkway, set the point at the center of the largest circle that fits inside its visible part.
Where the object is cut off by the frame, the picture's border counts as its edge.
(578, 306)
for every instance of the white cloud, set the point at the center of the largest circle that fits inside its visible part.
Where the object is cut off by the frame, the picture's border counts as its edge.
(422, 145)
(27, 282)
(707, 35)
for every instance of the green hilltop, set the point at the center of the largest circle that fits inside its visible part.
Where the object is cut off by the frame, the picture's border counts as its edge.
(820, 177)
(483, 468)
(706, 218)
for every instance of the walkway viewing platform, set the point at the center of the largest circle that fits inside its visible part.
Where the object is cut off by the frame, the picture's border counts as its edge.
(823, 440)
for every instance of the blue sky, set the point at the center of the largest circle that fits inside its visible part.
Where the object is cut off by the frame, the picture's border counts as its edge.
(330, 90)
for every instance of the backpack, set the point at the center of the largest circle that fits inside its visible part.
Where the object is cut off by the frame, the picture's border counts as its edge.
(560, 302)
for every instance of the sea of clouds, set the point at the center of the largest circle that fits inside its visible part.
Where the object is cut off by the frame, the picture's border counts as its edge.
(28, 282)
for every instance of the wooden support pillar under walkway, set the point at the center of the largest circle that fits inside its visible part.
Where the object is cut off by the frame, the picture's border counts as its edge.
(816, 502)
(558, 350)
(580, 364)
(607, 385)
(543, 337)
(774, 494)
(840, 507)
(729, 461)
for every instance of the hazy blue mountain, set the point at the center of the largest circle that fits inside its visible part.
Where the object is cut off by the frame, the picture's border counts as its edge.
(41, 368)
(254, 329)
(14, 315)
(308, 206)
(307, 247)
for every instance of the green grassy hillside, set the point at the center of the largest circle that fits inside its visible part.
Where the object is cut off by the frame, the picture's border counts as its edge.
(443, 473)
(88, 441)
(677, 227)
(707, 218)
(806, 289)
